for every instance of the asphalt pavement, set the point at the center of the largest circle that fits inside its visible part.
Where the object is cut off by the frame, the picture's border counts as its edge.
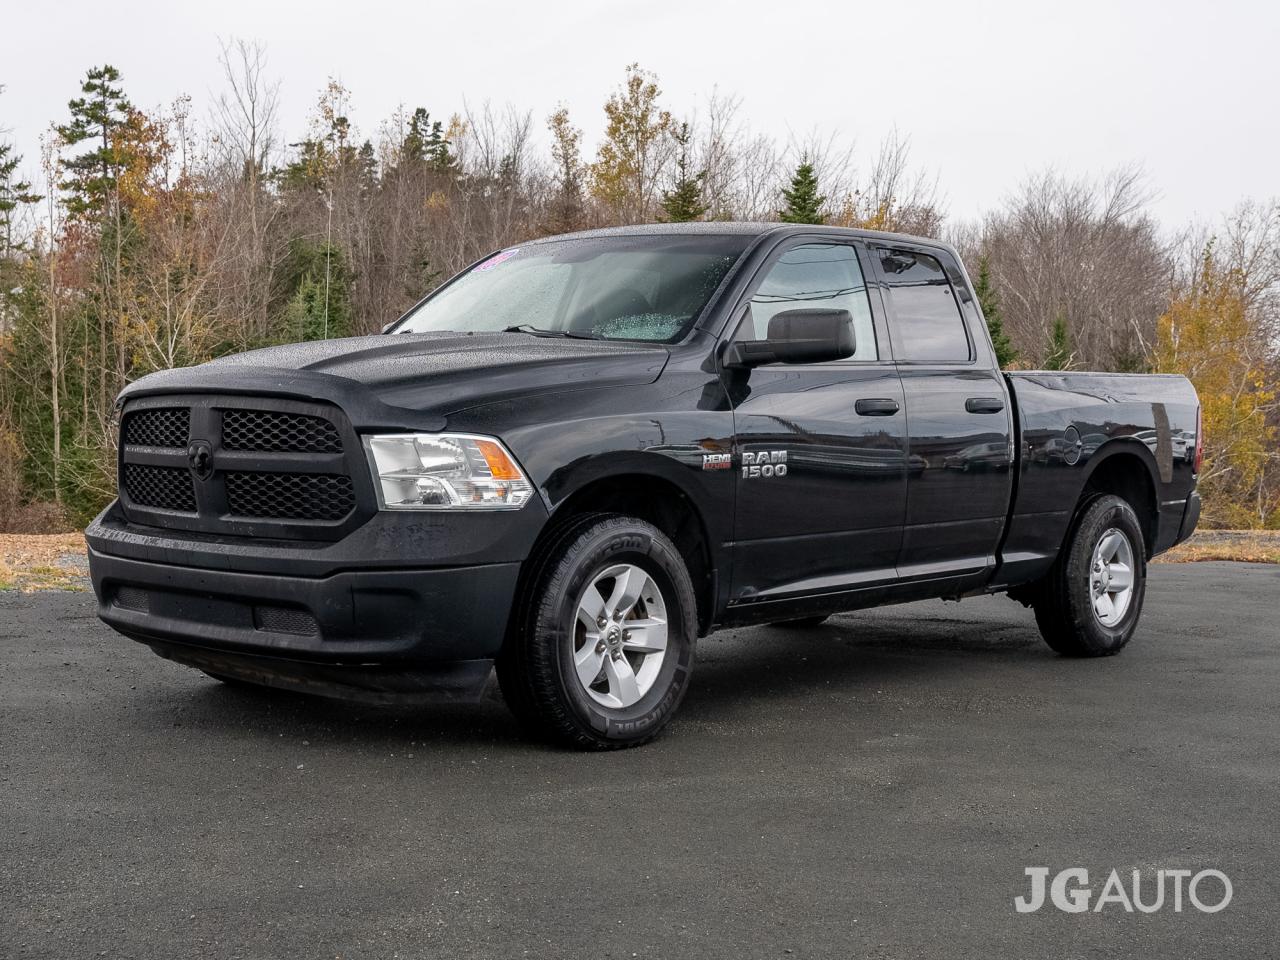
(872, 788)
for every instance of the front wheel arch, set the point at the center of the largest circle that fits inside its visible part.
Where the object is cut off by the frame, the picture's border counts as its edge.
(655, 499)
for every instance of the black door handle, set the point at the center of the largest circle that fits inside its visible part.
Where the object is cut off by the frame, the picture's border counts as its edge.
(879, 407)
(984, 404)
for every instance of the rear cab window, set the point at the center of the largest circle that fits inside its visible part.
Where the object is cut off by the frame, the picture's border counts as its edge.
(926, 322)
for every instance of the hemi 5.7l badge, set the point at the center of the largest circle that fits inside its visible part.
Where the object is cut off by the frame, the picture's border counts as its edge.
(764, 463)
(717, 461)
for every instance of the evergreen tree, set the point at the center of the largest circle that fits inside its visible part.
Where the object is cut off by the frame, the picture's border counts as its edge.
(989, 300)
(803, 204)
(426, 143)
(95, 118)
(14, 193)
(367, 165)
(683, 202)
(320, 305)
(1059, 355)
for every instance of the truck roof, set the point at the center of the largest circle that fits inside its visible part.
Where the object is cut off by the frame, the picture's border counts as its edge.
(750, 228)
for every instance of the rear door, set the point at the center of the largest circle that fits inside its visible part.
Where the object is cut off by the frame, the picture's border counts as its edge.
(820, 452)
(959, 425)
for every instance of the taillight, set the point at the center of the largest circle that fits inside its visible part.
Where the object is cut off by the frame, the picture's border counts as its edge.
(1199, 440)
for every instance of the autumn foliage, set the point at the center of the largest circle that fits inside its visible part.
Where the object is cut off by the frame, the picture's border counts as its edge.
(147, 238)
(1212, 334)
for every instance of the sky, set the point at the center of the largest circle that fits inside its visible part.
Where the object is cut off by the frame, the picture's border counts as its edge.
(987, 93)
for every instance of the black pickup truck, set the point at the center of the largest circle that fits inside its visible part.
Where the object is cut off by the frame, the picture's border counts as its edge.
(584, 452)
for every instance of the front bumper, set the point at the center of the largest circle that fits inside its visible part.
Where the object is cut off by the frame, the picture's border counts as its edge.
(362, 631)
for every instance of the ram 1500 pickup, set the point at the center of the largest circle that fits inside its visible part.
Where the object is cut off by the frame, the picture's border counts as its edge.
(584, 452)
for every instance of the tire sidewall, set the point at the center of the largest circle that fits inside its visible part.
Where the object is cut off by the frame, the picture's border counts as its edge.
(1100, 516)
(610, 543)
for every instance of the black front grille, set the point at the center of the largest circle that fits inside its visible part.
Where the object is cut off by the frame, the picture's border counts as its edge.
(243, 466)
(290, 496)
(163, 488)
(274, 432)
(158, 427)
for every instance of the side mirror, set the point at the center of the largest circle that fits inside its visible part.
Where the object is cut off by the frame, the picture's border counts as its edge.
(798, 336)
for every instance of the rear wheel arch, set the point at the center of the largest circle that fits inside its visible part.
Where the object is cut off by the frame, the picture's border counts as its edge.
(1126, 469)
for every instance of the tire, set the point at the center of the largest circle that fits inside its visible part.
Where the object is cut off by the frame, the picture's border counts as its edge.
(1078, 615)
(550, 655)
(800, 623)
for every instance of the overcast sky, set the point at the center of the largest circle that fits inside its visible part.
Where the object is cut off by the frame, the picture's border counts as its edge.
(986, 92)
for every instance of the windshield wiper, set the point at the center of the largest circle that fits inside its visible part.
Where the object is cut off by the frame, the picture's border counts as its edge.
(543, 332)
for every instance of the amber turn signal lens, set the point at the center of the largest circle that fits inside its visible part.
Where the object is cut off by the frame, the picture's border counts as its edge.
(500, 465)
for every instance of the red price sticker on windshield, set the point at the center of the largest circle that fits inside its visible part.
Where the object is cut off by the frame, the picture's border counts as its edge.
(498, 258)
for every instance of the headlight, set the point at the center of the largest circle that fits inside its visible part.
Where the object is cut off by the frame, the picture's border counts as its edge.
(445, 471)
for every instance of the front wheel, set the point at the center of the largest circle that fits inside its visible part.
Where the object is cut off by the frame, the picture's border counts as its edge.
(602, 650)
(1091, 599)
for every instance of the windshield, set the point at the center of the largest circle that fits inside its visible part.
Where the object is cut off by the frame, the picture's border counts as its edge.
(615, 288)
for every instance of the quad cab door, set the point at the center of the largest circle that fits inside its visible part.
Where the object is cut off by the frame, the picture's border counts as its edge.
(959, 421)
(820, 449)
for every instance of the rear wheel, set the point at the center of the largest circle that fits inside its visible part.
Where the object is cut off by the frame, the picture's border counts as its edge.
(602, 654)
(1090, 602)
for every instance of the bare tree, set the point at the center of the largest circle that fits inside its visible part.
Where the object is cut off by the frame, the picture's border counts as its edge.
(1085, 252)
(245, 146)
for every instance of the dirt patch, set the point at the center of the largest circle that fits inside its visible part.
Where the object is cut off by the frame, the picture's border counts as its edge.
(1253, 546)
(53, 561)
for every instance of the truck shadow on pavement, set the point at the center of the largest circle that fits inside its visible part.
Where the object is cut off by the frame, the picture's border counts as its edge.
(738, 671)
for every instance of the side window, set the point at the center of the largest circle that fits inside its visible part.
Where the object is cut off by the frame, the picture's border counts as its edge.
(814, 275)
(927, 323)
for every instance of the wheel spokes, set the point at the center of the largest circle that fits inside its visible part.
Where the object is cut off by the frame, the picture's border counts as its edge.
(620, 635)
(1110, 546)
(591, 609)
(622, 680)
(1121, 577)
(645, 636)
(1104, 606)
(588, 661)
(628, 586)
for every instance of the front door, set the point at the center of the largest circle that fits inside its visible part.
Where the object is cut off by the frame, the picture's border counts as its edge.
(820, 452)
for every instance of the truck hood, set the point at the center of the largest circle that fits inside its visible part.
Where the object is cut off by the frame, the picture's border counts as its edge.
(437, 373)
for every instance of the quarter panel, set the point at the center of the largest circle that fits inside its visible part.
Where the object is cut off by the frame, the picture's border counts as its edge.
(1069, 423)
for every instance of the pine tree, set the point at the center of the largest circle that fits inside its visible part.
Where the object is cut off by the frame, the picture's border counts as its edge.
(14, 193)
(683, 202)
(803, 204)
(95, 117)
(426, 143)
(1060, 355)
(320, 305)
(989, 300)
(93, 194)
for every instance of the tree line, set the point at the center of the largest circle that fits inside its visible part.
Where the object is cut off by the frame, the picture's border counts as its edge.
(154, 238)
